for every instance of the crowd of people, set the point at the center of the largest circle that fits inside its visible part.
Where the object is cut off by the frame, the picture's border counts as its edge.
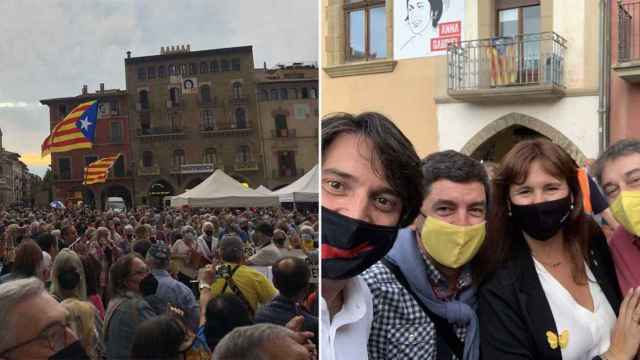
(158, 284)
(437, 259)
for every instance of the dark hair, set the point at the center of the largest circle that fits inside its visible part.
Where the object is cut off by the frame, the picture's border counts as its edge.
(224, 313)
(92, 269)
(119, 273)
(290, 276)
(65, 230)
(28, 257)
(436, 12)
(141, 247)
(453, 166)
(46, 241)
(158, 338)
(265, 229)
(621, 148)
(514, 170)
(231, 249)
(398, 159)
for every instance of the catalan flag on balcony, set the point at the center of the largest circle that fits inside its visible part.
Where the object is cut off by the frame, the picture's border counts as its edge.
(76, 131)
(503, 64)
(98, 170)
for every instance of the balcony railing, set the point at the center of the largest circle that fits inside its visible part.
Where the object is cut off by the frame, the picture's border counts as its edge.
(152, 170)
(158, 131)
(287, 173)
(245, 166)
(283, 133)
(208, 102)
(507, 67)
(229, 129)
(240, 100)
(175, 105)
(628, 64)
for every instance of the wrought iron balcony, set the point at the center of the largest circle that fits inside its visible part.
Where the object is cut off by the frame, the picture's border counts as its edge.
(283, 133)
(628, 64)
(506, 68)
(153, 170)
(158, 131)
(245, 166)
(211, 129)
(211, 101)
(239, 100)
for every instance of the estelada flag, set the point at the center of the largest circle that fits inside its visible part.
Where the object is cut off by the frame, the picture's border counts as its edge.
(76, 131)
(98, 170)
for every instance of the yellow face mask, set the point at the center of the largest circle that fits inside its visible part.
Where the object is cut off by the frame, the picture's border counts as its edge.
(626, 210)
(452, 245)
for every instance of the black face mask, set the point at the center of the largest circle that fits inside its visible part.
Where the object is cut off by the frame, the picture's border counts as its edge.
(148, 285)
(350, 246)
(73, 351)
(543, 220)
(69, 279)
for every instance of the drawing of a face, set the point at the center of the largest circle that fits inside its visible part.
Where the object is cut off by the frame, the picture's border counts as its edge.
(418, 15)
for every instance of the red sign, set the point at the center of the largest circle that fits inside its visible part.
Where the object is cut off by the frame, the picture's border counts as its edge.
(441, 43)
(449, 28)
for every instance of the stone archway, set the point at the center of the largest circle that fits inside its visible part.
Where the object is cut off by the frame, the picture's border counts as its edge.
(515, 119)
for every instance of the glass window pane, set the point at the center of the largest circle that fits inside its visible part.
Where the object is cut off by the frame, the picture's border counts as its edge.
(508, 20)
(356, 34)
(531, 19)
(377, 33)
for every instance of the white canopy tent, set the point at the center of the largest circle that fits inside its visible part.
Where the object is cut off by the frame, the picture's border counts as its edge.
(305, 189)
(221, 190)
(263, 190)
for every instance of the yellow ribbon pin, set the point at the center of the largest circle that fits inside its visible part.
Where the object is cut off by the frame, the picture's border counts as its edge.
(554, 340)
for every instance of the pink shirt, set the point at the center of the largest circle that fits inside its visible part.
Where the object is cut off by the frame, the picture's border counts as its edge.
(97, 302)
(625, 250)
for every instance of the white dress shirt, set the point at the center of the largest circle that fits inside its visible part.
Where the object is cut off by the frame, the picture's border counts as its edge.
(589, 332)
(346, 337)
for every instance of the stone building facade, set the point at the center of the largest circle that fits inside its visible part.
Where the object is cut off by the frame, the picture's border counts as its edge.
(192, 112)
(15, 180)
(288, 116)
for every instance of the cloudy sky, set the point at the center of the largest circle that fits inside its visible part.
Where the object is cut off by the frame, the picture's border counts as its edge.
(51, 48)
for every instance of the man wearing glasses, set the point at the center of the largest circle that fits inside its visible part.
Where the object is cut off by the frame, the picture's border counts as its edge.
(32, 324)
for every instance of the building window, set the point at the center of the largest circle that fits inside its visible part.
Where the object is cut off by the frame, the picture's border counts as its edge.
(515, 22)
(114, 107)
(204, 68)
(224, 65)
(235, 64)
(264, 95)
(161, 71)
(237, 90)
(192, 69)
(64, 168)
(294, 93)
(208, 121)
(305, 93)
(178, 158)
(145, 122)
(287, 163)
(175, 121)
(205, 94)
(284, 94)
(366, 30)
(62, 110)
(89, 159)
(142, 73)
(209, 156)
(172, 69)
(243, 155)
(143, 98)
(116, 132)
(151, 73)
(183, 69)
(118, 167)
(281, 125)
(313, 93)
(274, 95)
(241, 118)
(147, 159)
(214, 66)
(174, 96)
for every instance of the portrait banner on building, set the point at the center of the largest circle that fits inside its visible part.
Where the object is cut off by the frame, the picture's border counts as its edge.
(426, 27)
(190, 85)
(301, 111)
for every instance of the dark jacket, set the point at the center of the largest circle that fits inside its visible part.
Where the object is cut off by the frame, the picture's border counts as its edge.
(280, 310)
(513, 309)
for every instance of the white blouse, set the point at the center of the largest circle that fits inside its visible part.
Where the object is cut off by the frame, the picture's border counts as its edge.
(589, 332)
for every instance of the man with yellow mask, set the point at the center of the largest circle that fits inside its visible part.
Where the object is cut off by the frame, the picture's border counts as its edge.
(618, 172)
(424, 295)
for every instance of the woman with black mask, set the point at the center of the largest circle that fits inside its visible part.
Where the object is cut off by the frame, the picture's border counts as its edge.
(554, 293)
(129, 282)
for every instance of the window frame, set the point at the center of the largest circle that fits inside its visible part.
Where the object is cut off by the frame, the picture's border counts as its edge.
(120, 137)
(150, 158)
(65, 158)
(365, 5)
